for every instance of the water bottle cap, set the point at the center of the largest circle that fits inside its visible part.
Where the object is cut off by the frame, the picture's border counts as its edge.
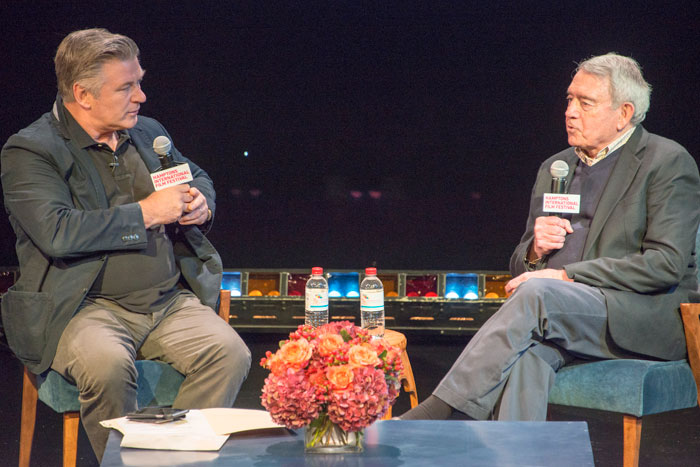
(371, 271)
(317, 271)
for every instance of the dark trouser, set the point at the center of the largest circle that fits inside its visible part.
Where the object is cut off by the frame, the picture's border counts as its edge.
(508, 368)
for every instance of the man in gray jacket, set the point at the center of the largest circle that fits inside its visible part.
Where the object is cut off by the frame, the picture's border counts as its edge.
(603, 282)
(112, 270)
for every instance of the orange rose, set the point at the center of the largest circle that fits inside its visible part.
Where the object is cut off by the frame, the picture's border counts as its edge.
(328, 343)
(359, 355)
(340, 376)
(295, 354)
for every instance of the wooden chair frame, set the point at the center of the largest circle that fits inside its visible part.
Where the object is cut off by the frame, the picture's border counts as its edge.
(632, 426)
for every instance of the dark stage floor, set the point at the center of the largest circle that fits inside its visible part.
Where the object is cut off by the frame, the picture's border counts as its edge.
(671, 439)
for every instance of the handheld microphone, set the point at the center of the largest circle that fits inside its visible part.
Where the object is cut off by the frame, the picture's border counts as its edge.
(559, 170)
(169, 173)
(162, 147)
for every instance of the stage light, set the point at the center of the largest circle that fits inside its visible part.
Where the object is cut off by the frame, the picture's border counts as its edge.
(345, 284)
(462, 285)
(232, 281)
(452, 294)
(267, 283)
(296, 284)
(421, 285)
(334, 294)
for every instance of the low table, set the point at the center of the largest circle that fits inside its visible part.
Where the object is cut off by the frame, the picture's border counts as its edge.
(389, 443)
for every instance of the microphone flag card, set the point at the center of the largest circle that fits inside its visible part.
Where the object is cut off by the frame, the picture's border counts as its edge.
(176, 175)
(561, 203)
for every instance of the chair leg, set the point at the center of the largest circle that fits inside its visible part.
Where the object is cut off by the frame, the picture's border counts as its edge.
(71, 420)
(409, 382)
(632, 432)
(29, 398)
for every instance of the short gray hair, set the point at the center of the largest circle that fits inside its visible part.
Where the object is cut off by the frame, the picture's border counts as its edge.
(626, 81)
(80, 57)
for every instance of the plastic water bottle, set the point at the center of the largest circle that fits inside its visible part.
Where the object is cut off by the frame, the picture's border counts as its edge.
(372, 303)
(316, 303)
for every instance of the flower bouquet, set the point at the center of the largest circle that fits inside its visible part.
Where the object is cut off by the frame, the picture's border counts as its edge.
(335, 380)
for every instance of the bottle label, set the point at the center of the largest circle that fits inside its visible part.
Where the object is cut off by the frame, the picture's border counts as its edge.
(316, 300)
(372, 299)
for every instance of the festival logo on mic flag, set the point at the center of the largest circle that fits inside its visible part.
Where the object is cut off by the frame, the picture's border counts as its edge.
(553, 202)
(173, 176)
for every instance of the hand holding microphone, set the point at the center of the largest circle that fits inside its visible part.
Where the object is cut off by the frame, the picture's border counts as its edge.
(165, 206)
(550, 231)
(174, 200)
(550, 234)
(197, 210)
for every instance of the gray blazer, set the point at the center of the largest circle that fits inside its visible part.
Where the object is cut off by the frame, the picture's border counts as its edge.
(640, 250)
(65, 230)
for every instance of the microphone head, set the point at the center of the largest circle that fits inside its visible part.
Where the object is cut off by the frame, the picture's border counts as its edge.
(162, 145)
(558, 169)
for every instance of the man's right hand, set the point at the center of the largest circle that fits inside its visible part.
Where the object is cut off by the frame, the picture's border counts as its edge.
(550, 233)
(165, 206)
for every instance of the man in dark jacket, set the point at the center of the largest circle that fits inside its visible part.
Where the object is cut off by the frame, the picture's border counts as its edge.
(112, 270)
(604, 281)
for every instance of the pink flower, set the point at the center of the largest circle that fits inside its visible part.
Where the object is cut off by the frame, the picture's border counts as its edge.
(290, 399)
(361, 404)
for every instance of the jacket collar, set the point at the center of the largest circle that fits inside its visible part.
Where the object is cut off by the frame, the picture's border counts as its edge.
(619, 182)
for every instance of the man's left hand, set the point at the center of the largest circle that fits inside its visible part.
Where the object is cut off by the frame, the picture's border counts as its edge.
(559, 274)
(197, 210)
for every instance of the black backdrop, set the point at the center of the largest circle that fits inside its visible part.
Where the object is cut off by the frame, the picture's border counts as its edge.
(442, 110)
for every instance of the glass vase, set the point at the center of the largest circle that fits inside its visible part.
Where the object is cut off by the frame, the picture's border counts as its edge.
(322, 436)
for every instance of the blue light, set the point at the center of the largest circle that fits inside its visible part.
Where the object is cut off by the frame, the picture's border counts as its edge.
(462, 285)
(344, 284)
(232, 281)
(245, 153)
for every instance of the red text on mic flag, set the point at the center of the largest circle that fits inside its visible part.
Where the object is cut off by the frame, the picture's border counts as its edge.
(173, 176)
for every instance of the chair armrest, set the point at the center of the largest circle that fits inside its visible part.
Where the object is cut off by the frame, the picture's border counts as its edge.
(690, 312)
(225, 304)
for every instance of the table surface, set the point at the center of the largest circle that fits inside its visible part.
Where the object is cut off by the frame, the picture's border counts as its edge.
(389, 443)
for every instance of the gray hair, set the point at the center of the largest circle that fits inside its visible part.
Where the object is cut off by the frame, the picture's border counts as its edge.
(626, 81)
(80, 57)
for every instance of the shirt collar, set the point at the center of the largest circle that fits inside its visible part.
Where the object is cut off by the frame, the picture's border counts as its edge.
(603, 153)
(73, 130)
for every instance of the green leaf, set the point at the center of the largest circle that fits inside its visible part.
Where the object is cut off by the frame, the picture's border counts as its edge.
(345, 335)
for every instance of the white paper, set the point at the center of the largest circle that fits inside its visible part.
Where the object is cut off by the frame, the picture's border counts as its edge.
(200, 430)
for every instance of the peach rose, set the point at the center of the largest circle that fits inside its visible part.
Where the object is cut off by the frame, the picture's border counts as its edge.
(328, 343)
(340, 376)
(295, 354)
(359, 355)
